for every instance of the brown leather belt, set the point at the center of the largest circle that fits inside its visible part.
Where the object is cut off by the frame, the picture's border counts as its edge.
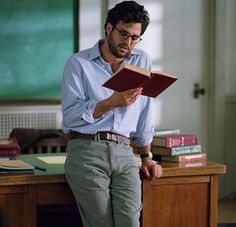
(100, 136)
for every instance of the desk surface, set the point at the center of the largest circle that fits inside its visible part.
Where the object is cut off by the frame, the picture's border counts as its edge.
(55, 172)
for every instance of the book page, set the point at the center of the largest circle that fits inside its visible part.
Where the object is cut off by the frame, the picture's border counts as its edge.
(4, 141)
(160, 73)
(138, 69)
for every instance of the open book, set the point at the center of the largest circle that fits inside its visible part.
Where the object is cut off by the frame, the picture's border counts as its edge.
(130, 76)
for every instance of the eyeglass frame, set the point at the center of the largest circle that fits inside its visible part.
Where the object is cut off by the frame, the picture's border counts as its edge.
(127, 34)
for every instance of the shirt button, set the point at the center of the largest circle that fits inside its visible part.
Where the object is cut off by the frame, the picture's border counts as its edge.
(116, 125)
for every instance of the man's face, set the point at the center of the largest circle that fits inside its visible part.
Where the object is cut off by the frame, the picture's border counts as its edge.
(122, 38)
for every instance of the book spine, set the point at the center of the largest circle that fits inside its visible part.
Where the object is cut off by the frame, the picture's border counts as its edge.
(192, 164)
(175, 151)
(9, 152)
(182, 141)
(175, 141)
(192, 157)
(186, 150)
(184, 158)
(161, 132)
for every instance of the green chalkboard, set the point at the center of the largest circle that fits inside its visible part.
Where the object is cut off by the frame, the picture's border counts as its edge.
(36, 39)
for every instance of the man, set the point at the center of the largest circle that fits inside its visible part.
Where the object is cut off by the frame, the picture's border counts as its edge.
(100, 165)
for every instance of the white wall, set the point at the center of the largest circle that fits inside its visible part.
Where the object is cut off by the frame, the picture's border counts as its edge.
(230, 47)
(90, 22)
(230, 147)
(227, 68)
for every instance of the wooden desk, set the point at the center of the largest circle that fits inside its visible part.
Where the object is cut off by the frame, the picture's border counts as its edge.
(183, 197)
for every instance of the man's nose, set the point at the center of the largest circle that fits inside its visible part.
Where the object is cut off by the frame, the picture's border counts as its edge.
(129, 41)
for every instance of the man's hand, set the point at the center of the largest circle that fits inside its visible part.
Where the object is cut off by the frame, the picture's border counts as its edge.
(151, 169)
(125, 98)
(117, 99)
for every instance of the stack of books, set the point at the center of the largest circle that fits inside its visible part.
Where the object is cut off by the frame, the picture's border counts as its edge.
(178, 147)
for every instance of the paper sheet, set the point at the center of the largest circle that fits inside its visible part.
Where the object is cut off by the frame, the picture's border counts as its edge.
(53, 159)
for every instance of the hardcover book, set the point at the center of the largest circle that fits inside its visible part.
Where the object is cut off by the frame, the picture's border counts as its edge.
(176, 150)
(192, 164)
(15, 166)
(9, 147)
(175, 140)
(130, 76)
(185, 157)
(161, 132)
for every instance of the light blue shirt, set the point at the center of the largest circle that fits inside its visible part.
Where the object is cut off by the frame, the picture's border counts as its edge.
(81, 89)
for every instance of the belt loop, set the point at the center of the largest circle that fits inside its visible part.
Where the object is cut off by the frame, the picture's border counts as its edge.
(117, 138)
(97, 137)
(110, 136)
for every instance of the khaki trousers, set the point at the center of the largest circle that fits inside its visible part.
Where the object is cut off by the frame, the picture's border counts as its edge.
(104, 179)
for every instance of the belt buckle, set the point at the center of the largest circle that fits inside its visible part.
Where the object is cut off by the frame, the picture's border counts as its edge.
(98, 137)
(108, 137)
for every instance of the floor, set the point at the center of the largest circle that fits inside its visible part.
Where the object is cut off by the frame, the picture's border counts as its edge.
(227, 213)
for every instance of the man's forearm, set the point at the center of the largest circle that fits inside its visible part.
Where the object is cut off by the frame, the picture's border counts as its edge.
(144, 150)
(102, 107)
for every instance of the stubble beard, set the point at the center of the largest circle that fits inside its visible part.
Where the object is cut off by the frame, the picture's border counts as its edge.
(114, 51)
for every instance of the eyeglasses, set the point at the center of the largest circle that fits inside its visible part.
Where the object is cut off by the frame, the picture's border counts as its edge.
(125, 35)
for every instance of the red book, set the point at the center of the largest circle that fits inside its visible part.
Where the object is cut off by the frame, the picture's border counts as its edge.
(130, 76)
(175, 140)
(192, 164)
(185, 157)
(9, 147)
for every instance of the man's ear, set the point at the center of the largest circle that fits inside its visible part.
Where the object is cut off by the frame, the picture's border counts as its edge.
(109, 28)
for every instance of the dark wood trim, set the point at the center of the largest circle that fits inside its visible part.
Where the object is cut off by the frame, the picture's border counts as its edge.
(76, 24)
(29, 102)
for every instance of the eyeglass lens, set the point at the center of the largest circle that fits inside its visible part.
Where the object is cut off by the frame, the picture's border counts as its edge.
(125, 35)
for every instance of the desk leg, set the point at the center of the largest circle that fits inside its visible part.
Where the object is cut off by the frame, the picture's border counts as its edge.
(146, 211)
(213, 200)
(32, 206)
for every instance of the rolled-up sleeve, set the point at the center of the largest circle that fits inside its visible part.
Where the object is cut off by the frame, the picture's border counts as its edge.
(145, 128)
(76, 110)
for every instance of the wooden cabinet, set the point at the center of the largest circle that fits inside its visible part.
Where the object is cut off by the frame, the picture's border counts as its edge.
(16, 206)
(182, 201)
(183, 197)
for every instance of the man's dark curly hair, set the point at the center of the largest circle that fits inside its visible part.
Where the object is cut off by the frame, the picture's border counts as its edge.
(128, 12)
